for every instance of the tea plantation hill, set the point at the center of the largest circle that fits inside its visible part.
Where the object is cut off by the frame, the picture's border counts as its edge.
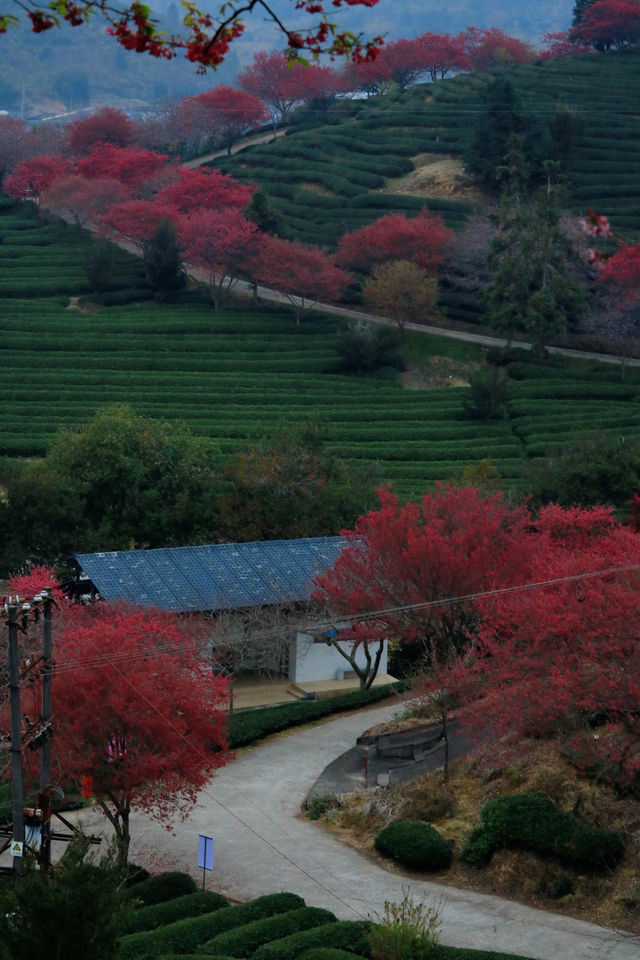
(336, 171)
(240, 373)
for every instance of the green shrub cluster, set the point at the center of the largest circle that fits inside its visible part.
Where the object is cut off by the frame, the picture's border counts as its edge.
(529, 821)
(189, 905)
(164, 886)
(190, 933)
(346, 935)
(326, 953)
(245, 940)
(251, 725)
(414, 844)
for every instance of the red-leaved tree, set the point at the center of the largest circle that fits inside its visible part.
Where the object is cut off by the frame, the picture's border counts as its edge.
(442, 53)
(220, 243)
(129, 165)
(205, 188)
(106, 125)
(404, 60)
(442, 551)
(137, 220)
(609, 24)
(31, 178)
(420, 239)
(82, 199)
(304, 275)
(224, 114)
(274, 83)
(559, 660)
(494, 48)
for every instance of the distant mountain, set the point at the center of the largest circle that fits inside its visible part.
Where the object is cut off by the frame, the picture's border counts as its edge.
(65, 69)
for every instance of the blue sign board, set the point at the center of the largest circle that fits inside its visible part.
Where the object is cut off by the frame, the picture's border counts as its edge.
(205, 852)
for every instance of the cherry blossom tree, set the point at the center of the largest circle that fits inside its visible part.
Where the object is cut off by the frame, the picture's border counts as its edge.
(137, 220)
(31, 178)
(608, 24)
(275, 83)
(207, 188)
(224, 114)
(129, 165)
(419, 239)
(220, 243)
(206, 36)
(106, 125)
(304, 275)
(442, 53)
(493, 48)
(404, 60)
(82, 199)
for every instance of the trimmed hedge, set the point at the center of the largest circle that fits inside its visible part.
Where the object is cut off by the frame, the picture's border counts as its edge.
(326, 953)
(161, 914)
(164, 886)
(414, 844)
(345, 935)
(252, 725)
(245, 940)
(192, 932)
(529, 821)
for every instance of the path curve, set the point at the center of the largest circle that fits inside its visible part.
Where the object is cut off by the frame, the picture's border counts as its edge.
(262, 845)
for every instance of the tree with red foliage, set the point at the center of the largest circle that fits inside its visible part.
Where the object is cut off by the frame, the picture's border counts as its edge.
(563, 44)
(608, 24)
(404, 60)
(372, 77)
(442, 53)
(137, 220)
(207, 188)
(31, 178)
(159, 733)
(494, 48)
(560, 659)
(224, 114)
(220, 243)
(106, 125)
(317, 86)
(81, 198)
(304, 275)
(274, 83)
(419, 565)
(419, 239)
(206, 37)
(622, 273)
(129, 165)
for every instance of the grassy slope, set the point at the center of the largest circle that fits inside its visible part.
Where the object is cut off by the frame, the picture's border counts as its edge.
(240, 374)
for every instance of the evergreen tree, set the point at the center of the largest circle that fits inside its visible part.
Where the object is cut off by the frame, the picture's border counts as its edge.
(532, 290)
(162, 262)
(99, 264)
(504, 118)
(262, 212)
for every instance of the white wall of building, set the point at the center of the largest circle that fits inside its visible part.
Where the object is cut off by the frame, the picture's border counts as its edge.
(309, 661)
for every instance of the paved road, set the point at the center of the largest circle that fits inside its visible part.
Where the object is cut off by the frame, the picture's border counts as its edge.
(262, 845)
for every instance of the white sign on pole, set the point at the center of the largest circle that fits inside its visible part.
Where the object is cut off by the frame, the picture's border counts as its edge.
(205, 852)
(16, 848)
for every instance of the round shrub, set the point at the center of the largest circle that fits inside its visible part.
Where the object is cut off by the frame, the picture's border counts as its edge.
(478, 848)
(164, 886)
(135, 874)
(414, 844)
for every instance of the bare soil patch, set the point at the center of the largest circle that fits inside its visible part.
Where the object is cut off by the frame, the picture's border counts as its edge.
(316, 188)
(82, 307)
(441, 372)
(436, 175)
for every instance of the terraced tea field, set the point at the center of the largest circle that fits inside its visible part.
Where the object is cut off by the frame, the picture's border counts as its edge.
(240, 374)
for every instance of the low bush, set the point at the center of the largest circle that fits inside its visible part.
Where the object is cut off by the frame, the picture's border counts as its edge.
(254, 724)
(408, 930)
(414, 844)
(164, 886)
(192, 932)
(135, 874)
(529, 821)
(161, 914)
(326, 953)
(347, 935)
(245, 940)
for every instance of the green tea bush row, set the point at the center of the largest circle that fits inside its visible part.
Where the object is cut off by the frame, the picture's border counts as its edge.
(345, 935)
(160, 914)
(530, 821)
(188, 934)
(414, 844)
(245, 940)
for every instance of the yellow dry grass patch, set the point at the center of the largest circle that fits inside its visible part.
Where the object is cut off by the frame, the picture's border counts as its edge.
(316, 188)
(611, 899)
(436, 175)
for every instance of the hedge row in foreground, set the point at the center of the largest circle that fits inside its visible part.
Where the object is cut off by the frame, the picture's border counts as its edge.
(347, 935)
(161, 914)
(189, 934)
(528, 821)
(245, 940)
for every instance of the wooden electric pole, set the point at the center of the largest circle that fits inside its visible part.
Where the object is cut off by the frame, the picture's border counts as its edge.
(17, 797)
(44, 799)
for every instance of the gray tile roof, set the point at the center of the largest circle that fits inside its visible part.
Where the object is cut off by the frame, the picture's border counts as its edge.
(217, 576)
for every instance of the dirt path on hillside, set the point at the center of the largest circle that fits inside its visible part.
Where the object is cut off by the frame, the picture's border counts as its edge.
(240, 145)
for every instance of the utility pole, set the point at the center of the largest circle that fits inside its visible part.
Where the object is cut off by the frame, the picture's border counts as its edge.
(17, 799)
(44, 799)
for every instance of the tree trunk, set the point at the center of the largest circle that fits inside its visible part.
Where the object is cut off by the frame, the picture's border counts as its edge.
(118, 817)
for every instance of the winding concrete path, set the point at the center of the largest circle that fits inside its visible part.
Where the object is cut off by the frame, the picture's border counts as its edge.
(262, 845)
